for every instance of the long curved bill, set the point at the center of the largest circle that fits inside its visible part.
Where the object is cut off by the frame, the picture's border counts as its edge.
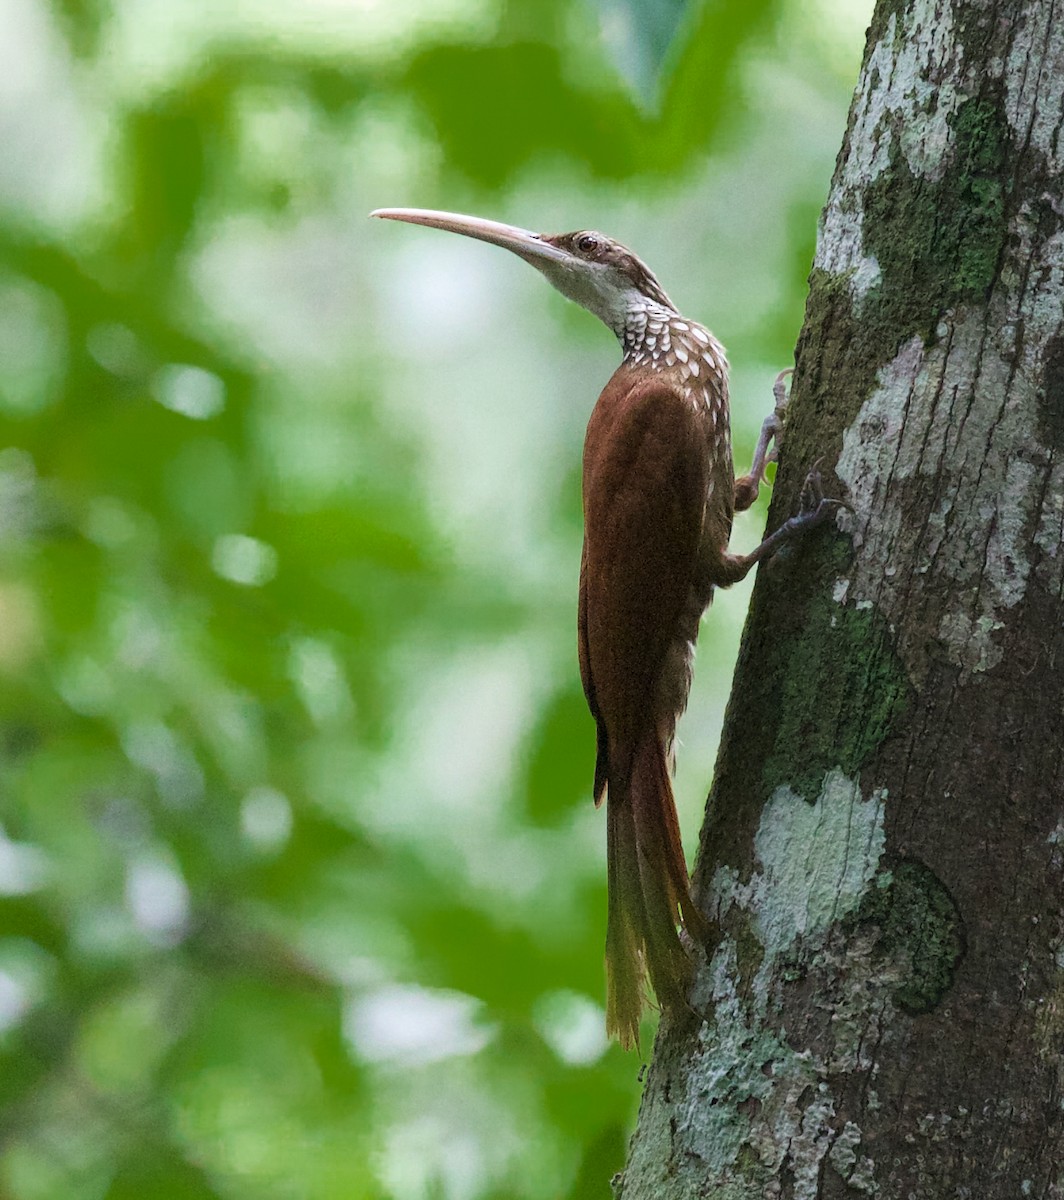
(523, 242)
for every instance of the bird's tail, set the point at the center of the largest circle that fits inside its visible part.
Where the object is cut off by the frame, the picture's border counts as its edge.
(649, 894)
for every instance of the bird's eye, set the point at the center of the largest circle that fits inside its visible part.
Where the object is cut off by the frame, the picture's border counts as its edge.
(586, 243)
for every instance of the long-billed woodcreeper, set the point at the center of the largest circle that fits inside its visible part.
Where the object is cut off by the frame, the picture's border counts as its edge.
(659, 494)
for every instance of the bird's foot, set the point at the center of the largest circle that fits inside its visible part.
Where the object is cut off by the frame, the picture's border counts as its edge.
(814, 507)
(768, 445)
(781, 395)
(781, 392)
(746, 492)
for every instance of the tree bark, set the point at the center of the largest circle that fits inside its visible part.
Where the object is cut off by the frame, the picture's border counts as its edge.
(884, 842)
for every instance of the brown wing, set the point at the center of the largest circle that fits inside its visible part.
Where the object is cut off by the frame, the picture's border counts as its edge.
(602, 746)
(645, 482)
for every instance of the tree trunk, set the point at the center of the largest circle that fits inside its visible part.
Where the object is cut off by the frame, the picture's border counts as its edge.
(884, 843)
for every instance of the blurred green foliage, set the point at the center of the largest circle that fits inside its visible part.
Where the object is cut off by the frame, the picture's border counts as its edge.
(301, 891)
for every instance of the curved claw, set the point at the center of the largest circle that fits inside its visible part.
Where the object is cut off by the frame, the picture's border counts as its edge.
(826, 507)
(812, 489)
(815, 506)
(780, 392)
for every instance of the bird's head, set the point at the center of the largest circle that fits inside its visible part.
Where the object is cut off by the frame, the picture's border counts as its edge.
(598, 273)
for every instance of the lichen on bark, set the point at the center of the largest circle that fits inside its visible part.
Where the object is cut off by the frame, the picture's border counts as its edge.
(744, 1101)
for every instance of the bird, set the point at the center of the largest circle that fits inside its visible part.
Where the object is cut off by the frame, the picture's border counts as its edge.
(659, 494)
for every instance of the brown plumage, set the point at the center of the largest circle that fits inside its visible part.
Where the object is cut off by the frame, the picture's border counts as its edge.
(643, 588)
(659, 495)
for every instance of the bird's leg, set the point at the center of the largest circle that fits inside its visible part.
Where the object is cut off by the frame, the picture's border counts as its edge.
(815, 510)
(746, 486)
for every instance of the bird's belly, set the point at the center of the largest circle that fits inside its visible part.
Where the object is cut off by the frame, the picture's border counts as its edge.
(674, 683)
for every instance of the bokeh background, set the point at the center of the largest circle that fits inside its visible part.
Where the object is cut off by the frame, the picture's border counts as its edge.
(301, 889)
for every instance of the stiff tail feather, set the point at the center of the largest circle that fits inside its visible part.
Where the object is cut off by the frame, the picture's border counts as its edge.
(649, 894)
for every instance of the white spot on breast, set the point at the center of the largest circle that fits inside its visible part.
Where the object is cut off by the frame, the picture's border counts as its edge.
(662, 339)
